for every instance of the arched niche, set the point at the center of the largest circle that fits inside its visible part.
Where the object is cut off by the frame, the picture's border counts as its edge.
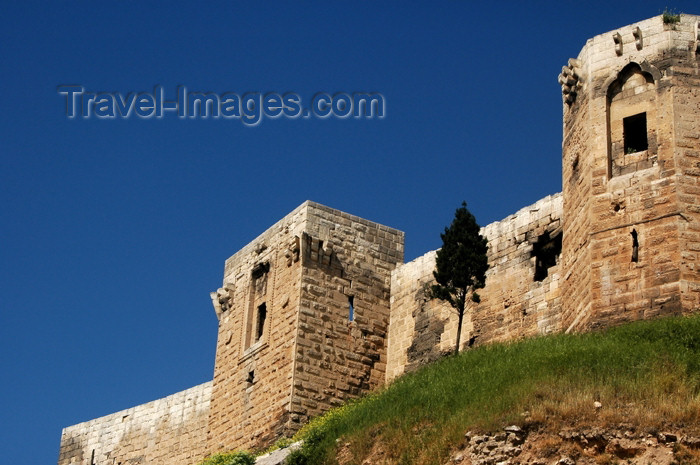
(631, 121)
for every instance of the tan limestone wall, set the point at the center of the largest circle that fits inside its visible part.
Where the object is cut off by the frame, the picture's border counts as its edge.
(168, 431)
(307, 356)
(253, 378)
(576, 189)
(343, 256)
(611, 196)
(686, 112)
(513, 304)
(287, 350)
(420, 327)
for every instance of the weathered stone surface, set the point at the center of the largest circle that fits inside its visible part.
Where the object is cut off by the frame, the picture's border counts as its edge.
(492, 448)
(309, 354)
(319, 308)
(277, 457)
(513, 304)
(628, 211)
(170, 430)
(588, 446)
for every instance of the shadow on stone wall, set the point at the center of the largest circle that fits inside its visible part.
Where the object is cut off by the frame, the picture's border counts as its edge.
(428, 329)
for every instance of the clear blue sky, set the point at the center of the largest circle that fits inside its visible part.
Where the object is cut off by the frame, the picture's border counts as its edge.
(113, 232)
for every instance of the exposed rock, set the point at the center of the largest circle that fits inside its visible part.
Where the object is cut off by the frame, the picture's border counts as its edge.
(586, 446)
(495, 449)
(515, 439)
(692, 442)
(514, 429)
(277, 457)
(624, 448)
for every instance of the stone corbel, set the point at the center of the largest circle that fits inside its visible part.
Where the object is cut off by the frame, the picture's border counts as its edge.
(639, 42)
(617, 38)
(326, 252)
(293, 250)
(569, 80)
(319, 251)
(222, 300)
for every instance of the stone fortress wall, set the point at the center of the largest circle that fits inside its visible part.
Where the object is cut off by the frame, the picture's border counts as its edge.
(516, 302)
(631, 175)
(303, 316)
(320, 307)
(171, 430)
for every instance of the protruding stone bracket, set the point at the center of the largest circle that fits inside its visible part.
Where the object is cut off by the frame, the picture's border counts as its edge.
(617, 38)
(326, 253)
(222, 299)
(293, 249)
(638, 38)
(319, 251)
(569, 80)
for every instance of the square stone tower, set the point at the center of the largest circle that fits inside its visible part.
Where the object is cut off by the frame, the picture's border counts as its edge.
(303, 314)
(631, 174)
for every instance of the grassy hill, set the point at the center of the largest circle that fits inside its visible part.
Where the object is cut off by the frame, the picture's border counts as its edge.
(644, 376)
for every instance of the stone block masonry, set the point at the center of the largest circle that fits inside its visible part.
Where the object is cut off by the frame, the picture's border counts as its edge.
(320, 307)
(171, 430)
(303, 316)
(630, 176)
(521, 297)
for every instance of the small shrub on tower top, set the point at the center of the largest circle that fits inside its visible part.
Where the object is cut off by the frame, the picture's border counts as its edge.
(671, 17)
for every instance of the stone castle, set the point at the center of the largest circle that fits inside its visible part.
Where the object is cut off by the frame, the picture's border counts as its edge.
(320, 308)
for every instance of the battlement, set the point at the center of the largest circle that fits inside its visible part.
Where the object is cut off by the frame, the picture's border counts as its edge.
(647, 40)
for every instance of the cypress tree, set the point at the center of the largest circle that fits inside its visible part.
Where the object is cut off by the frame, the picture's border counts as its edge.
(461, 264)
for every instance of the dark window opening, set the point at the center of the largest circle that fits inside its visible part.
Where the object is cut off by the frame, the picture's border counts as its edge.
(260, 269)
(635, 133)
(262, 314)
(251, 377)
(351, 308)
(635, 246)
(546, 252)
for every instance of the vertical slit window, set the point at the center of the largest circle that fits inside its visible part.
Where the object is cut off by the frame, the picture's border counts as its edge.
(635, 246)
(351, 308)
(260, 327)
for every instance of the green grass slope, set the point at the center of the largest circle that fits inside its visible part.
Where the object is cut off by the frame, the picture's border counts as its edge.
(645, 375)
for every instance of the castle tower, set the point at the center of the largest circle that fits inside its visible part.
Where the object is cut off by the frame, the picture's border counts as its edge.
(631, 174)
(303, 314)
(304, 309)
